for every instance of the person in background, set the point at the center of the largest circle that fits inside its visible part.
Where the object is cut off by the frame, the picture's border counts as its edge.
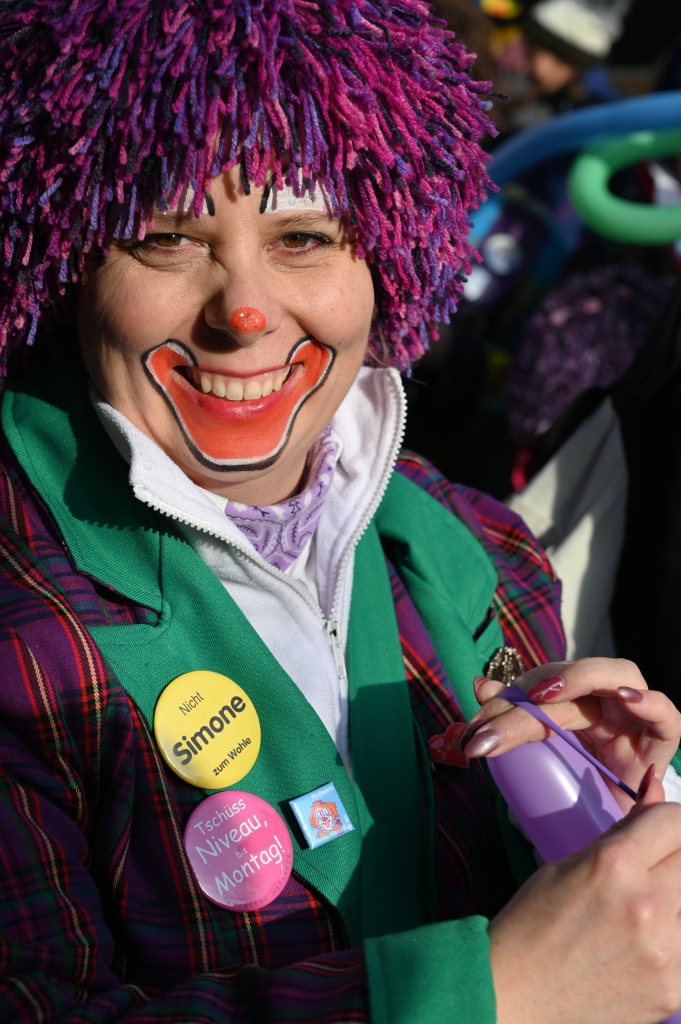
(569, 42)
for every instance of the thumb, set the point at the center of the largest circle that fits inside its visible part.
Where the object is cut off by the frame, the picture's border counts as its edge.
(650, 792)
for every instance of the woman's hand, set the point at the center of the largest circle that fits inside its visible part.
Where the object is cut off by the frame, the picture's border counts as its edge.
(604, 701)
(597, 937)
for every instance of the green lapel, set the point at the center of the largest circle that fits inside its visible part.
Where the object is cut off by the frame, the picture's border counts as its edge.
(123, 543)
(202, 627)
(450, 579)
(82, 479)
(392, 778)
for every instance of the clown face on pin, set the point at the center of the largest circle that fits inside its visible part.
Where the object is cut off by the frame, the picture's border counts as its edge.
(231, 338)
(325, 818)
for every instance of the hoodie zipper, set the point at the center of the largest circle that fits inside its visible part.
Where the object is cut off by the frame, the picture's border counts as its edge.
(333, 635)
(332, 628)
(330, 625)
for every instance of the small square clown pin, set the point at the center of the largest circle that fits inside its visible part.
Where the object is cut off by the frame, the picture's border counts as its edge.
(321, 815)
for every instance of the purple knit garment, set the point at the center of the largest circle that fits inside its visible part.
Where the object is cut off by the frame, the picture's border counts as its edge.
(585, 334)
(280, 532)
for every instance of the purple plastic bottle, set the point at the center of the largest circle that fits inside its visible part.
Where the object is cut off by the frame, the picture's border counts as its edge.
(558, 797)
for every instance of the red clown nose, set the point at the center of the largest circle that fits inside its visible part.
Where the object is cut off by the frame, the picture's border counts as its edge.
(247, 320)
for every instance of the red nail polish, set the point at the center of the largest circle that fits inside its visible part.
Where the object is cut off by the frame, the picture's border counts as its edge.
(547, 688)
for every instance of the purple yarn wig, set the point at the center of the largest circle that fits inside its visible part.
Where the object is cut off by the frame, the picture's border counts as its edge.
(107, 109)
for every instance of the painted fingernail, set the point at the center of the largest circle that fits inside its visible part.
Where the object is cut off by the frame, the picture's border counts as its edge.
(629, 694)
(547, 688)
(645, 782)
(484, 743)
(471, 731)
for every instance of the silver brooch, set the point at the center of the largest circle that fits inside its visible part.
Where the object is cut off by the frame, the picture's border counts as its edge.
(505, 666)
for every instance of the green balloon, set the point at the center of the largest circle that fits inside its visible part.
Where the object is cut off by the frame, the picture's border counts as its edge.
(635, 223)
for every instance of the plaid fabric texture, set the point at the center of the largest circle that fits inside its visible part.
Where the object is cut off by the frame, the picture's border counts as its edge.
(527, 599)
(100, 917)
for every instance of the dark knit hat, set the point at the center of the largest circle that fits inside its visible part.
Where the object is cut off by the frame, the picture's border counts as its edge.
(580, 32)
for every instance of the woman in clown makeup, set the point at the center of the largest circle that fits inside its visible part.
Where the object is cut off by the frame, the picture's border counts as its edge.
(227, 593)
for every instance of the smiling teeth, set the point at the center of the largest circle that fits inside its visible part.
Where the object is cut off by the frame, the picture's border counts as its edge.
(236, 390)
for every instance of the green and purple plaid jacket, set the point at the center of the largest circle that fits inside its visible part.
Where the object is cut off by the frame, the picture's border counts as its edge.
(100, 917)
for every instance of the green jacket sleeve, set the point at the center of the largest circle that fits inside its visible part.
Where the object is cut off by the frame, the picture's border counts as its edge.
(439, 973)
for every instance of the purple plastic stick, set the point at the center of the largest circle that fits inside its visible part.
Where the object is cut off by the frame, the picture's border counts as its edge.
(516, 696)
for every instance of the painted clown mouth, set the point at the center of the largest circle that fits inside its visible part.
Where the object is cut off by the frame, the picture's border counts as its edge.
(235, 422)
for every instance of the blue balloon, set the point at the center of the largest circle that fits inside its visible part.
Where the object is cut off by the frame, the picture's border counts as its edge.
(567, 133)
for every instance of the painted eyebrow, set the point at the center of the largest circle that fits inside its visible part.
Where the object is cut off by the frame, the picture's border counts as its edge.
(180, 225)
(294, 221)
(185, 214)
(301, 220)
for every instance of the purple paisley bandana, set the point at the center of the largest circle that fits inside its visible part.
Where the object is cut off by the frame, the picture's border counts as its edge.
(279, 533)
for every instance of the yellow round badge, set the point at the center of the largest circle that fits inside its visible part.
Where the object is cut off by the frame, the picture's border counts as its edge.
(207, 729)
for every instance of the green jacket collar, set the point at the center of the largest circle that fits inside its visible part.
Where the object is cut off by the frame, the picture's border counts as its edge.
(80, 476)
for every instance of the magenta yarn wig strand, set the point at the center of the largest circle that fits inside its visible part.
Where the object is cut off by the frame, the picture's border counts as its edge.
(109, 108)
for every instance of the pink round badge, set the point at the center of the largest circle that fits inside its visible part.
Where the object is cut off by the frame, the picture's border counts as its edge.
(240, 850)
